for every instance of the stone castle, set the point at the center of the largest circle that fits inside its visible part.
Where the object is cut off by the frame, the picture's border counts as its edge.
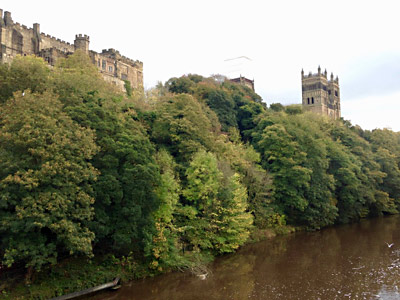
(17, 39)
(321, 95)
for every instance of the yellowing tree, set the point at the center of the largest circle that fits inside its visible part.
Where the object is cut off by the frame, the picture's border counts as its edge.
(45, 178)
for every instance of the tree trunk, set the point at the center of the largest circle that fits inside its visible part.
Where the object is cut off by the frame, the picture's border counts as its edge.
(28, 275)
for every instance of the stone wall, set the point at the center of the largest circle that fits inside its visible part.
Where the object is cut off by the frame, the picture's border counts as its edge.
(321, 95)
(17, 39)
(47, 41)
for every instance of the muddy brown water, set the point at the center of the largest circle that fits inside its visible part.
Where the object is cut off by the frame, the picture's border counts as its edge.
(343, 262)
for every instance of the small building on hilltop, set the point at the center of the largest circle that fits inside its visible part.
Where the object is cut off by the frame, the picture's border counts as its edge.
(17, 39)
(244, 81)
(321, 95)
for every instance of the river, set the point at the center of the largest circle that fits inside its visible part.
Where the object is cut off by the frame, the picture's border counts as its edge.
(355, 261)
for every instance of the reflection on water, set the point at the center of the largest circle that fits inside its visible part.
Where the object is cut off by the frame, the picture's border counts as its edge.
(345, 262)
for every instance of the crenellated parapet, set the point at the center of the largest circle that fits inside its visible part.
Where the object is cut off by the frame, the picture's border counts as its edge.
(18, 39)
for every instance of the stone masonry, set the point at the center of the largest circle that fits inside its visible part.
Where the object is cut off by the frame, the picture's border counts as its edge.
(17, 39)
(321, 95)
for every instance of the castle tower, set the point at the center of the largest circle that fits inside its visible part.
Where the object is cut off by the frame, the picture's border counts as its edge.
(82, 42)
(321, 95)
(7, 18)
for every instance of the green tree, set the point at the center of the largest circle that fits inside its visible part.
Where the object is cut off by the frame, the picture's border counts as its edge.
(217, 217)
(234, 222)
(180, 85)
(75, 77)
(182, 126)
(277, 107)
(244, 160)
(293, 149)
(282, 156)
(165, 247)
(125, 190)
(224, 106)
(386, 147)
(45, 181)
(25, 73)
(357, 174)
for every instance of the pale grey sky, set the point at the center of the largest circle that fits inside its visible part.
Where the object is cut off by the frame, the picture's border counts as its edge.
(356, 40)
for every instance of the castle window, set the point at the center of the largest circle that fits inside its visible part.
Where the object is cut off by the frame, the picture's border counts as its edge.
(98, 63)
(312, 100)
(329, 92)
(336, 93)
(110, 68)
(103, 65)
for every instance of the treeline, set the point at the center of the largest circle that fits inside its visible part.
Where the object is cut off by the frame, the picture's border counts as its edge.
(190, 169)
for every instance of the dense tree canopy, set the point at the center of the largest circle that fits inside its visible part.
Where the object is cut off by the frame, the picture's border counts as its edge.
(45, 180)
(194, 167)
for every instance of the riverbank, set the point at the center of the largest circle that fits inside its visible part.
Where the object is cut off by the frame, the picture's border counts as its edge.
(75, 274)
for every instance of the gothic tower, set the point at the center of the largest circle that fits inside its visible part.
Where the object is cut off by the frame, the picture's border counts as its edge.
(321, 95)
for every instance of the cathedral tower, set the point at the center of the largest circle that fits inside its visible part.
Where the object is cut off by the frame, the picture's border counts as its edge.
(321, 95)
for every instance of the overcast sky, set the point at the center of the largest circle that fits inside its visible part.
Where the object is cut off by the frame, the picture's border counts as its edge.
(357, 40)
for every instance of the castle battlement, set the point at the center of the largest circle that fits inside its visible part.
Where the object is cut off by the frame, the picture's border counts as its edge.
(18, 39)
(115, 54)
(82, 36)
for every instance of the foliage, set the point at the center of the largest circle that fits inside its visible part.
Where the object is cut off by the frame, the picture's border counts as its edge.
(165, 248)
(277, 107)
(182, 126)
(24, 73)
(180, 85)
(75, 77)
(224, 106)
(45, 181)
(324, 171)
(215, 206)
(128, 88)
(165, 179)
(124, 192)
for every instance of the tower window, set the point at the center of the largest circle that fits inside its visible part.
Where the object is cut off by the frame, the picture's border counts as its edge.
(98, 63)
(308, 100)
(336, 93)
(312, 100)
(329, 92)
